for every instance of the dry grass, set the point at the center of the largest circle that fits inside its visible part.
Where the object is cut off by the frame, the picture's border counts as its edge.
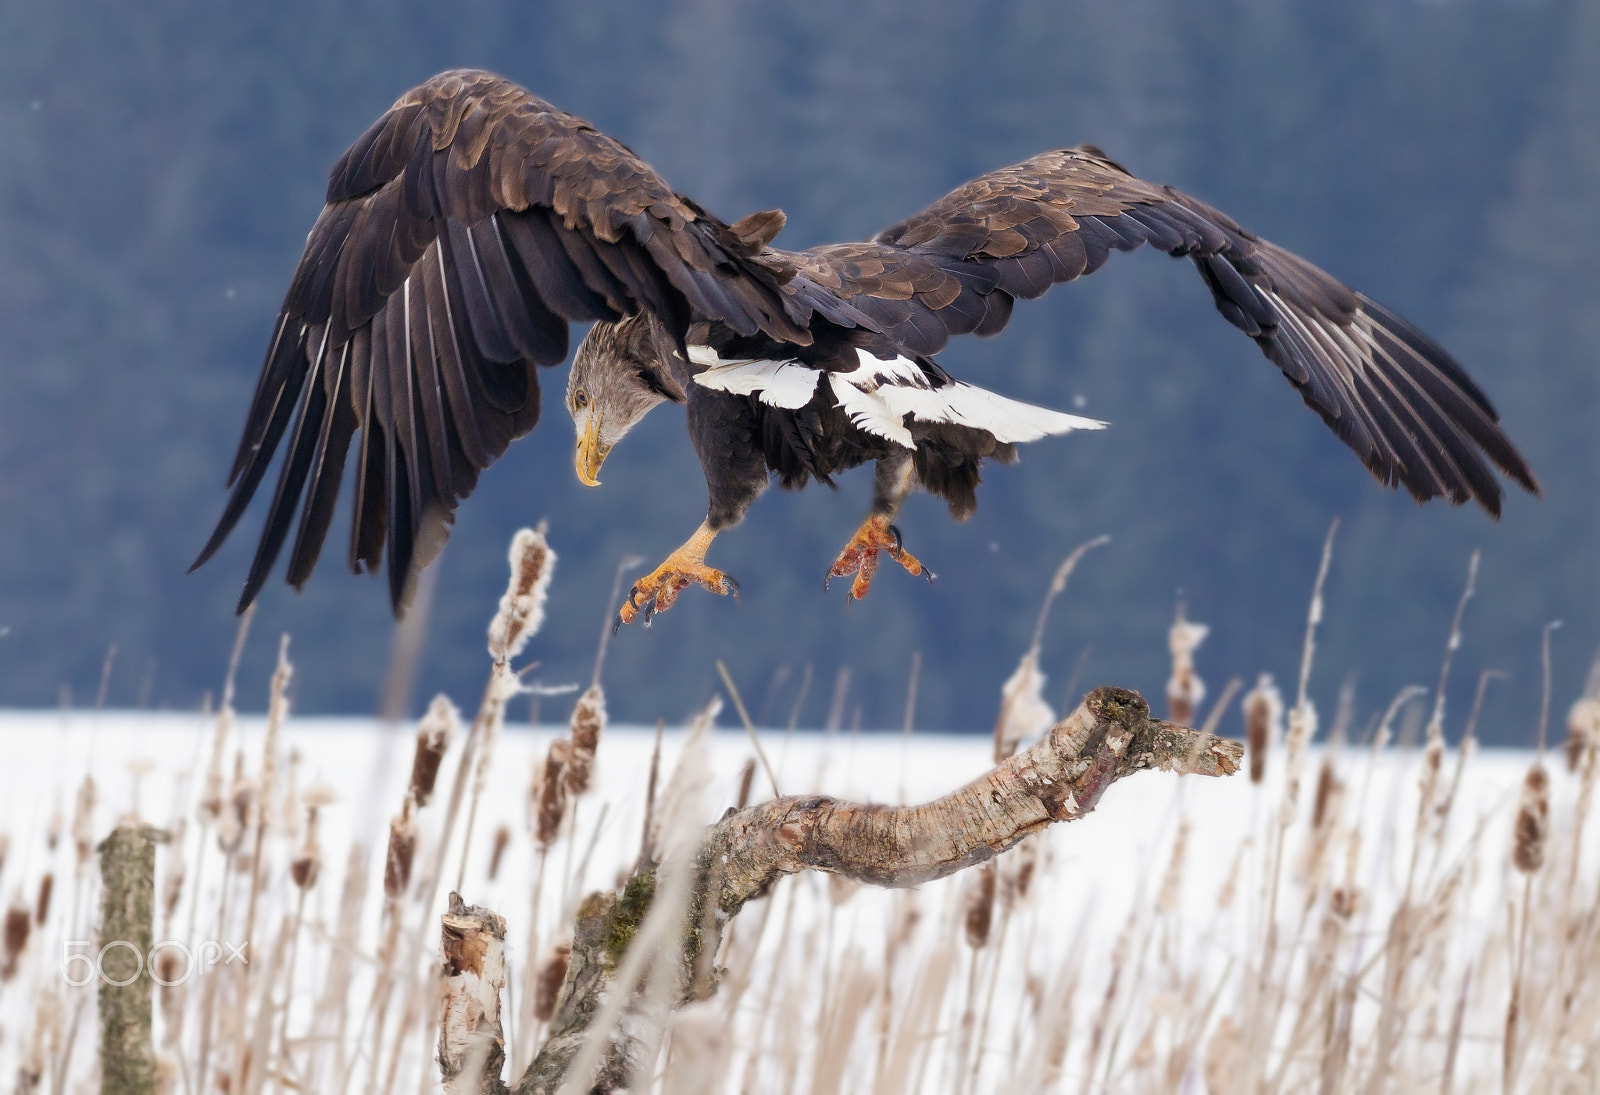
(1368, 919)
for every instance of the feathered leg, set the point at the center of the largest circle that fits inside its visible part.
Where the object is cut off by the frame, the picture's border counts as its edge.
(895, 480)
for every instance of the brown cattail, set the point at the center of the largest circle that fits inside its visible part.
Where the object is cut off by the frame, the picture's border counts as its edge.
(841, 888)
(1330, 792)
(234, 821)
(1172, 881)
(433, 738)
(1263, 710)
(980, 906)
(402, 850)
(307, 862)
(547, 988)
(1343, 902)
(83, 821)
(746, 777)
(497, 851)
(1185, 689)
(552, 801)
(41, 904)
(19, 922)
(522, 608)
(1533, 820)
(588, 722)
(1583, 730)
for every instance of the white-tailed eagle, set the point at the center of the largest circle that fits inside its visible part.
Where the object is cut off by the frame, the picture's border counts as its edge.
(473, 222)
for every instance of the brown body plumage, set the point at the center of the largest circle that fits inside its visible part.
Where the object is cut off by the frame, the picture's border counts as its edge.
(473, 221)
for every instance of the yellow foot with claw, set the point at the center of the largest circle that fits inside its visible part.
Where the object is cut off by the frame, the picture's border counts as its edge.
(860, 556)
(656, 591)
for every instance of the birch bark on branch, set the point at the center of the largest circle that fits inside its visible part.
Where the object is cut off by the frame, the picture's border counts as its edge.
(1060, 778)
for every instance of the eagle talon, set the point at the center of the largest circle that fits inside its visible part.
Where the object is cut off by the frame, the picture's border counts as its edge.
(655, 592)
(860, 556)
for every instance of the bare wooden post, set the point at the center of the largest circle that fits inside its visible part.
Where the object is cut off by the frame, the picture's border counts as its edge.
(127, 898)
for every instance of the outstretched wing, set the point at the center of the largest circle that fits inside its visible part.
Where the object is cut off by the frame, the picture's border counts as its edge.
(1393, 395)
(461, 233)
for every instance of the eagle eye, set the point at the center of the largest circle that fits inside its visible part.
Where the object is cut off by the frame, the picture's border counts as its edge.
(580, 399)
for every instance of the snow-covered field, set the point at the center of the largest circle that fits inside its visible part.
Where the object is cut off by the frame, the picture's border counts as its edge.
(1191, 934)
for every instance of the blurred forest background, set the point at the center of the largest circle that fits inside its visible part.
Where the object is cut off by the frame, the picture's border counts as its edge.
(163, 161)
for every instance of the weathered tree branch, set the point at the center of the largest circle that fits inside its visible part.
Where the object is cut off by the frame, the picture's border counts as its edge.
(1060, 778)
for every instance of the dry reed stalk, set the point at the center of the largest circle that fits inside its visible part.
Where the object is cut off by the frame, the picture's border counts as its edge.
(918, 1022)
(701, 1044)
(837, 1033)
(1185, 689)
(277, 712)
(749, 727)
(332, 1010)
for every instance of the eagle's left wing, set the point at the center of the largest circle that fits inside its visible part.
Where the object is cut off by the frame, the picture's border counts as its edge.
(462, 233)
(1392, 394)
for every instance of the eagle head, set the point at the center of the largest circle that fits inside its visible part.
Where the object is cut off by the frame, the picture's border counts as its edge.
(619, 374)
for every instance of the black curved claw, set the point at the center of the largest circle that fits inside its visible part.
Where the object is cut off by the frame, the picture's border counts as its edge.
(733, 586)
(894, 531)
(928, 574)
(616, 625)
(649, 610)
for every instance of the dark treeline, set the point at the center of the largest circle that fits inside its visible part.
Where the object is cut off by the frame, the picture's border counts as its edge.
(163, 161)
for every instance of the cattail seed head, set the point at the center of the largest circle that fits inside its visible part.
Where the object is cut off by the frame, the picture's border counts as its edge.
(1533, 821)
(402, 850)
(980, 907)
(747, 777)
(41, 904)
(1329, 795)
(234, 821)
(13, 938)
(547, 988)
(841, 888)
(1024, 712)
(1185, 689)
(1172, 882)
(522, 607)
(438, 726)
(83, 821)
(588, 722)
(1263, 712)
(1343, 902)
(1583, 730)
(497, 851)
(307, 862)
(552, 799)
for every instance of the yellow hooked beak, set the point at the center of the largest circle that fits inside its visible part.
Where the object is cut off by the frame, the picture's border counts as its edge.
(591, 453)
